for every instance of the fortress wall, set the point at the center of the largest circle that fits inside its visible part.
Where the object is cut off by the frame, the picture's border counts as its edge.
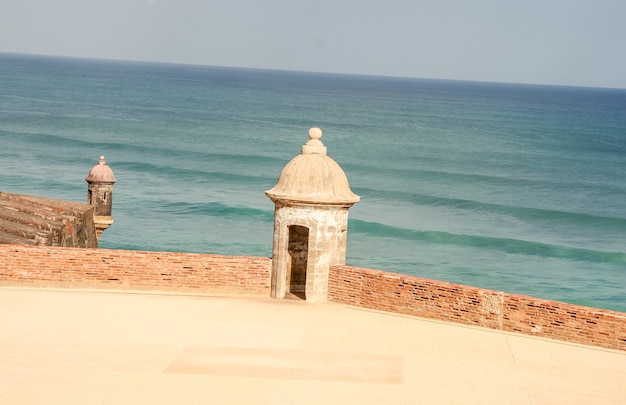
(132, 270)
(31, 220)
(44, 266)
(474, 306)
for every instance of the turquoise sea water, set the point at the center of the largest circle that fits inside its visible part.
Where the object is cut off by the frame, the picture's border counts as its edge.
(510, 187)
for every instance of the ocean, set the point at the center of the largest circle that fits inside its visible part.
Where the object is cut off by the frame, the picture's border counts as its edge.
(517, 188)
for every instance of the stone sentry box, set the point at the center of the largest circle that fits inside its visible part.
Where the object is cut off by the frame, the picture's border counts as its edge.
(312, 198)
(100, 194)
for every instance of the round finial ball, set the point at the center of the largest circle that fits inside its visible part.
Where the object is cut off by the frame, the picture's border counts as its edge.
(315, 133)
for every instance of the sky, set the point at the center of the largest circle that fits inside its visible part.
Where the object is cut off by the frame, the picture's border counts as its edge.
(562, 42)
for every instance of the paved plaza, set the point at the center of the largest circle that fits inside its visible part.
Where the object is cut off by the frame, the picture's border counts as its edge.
(118, 347)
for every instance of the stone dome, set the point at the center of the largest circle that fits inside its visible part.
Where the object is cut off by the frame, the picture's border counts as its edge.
(101, 173)
(313, 177)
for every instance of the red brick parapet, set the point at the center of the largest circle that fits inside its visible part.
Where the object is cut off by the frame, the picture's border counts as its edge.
(134, 270)
(439, 300)
(43, 266)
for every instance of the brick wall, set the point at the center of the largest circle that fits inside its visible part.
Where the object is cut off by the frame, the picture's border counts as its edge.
(134, 270)
(474, 306)
(188, 272)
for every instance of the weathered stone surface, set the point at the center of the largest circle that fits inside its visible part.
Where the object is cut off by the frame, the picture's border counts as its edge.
(100, 194)
(30, 220)
(313, 177)
(312, 198)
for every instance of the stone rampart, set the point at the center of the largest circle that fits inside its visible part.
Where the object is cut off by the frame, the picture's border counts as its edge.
(30, 220)
(474, 306)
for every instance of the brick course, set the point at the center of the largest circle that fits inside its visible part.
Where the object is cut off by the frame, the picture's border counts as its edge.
(136, 270)
(474, 306)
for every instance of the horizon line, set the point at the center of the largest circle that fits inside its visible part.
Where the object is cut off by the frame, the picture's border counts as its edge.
(381, 76)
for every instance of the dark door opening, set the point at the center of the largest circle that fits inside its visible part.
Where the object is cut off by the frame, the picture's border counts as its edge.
(298, 254)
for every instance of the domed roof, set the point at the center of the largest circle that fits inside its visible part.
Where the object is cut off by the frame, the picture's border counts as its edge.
(101, 173)
(313, 177)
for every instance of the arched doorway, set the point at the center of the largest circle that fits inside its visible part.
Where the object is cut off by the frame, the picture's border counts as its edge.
(298, 251)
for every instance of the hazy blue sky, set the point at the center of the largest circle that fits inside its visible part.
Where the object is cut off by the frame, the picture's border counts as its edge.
(575, 42)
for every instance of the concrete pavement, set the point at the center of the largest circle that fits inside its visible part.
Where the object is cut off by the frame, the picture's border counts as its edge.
(107, 347)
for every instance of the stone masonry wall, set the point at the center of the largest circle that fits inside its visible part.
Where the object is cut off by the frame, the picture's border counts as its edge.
(132, 270)
(30, 220)
(474, 306)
